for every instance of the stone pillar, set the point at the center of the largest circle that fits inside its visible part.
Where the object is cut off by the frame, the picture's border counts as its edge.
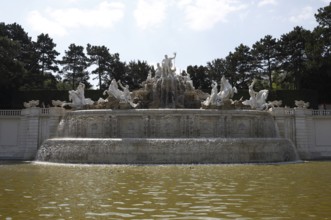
(30, 121)
(302, 132)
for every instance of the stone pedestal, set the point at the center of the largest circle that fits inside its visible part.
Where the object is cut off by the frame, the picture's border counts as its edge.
(30, 121)
(302, 132)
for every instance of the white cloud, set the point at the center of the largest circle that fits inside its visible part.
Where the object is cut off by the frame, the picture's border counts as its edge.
(306, 13)
(45, 25)
(267, 2)
(205, 14)
(150, 13)
(59, 21)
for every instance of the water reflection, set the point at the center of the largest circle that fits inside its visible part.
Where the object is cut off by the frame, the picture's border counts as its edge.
(39, 191)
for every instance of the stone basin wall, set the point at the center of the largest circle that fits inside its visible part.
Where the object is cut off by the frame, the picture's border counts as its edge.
(22, 132)
(168, 123)
(167, 151)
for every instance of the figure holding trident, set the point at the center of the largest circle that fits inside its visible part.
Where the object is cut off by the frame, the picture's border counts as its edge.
(167, 64)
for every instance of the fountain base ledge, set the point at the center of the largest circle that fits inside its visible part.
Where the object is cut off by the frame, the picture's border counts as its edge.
(167, 151)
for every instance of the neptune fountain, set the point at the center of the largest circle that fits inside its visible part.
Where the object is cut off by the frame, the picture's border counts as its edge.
(167, 121)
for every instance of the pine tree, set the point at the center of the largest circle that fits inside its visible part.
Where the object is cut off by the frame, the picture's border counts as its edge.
(266, 54)
(74, 68)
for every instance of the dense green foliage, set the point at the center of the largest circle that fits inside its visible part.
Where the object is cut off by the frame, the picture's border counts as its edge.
(74, 66)
(298, 60)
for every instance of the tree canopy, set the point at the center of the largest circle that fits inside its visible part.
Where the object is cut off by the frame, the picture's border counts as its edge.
(299, 59)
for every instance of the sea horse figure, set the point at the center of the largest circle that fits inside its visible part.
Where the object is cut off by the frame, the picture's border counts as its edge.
(123, 95)
(257, 99)
(227, 91)
(78, 98)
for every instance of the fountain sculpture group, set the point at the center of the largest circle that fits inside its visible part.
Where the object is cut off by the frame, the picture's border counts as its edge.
(167, 121)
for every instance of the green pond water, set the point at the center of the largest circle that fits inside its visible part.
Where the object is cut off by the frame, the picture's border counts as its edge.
(53, 191)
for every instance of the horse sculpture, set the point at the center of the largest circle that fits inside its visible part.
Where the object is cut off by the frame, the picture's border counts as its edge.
(227, 91)
(78, 102)
(77, 98)
(219, 98)
(122, 96)
(257, 99)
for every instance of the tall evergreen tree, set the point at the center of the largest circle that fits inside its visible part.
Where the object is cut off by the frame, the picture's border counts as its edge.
(11, 69)
(241, 64)
(27, 56)
(216, 69)
(102, 59)
(323, 17)
(266, 54)
(294, 56)
(47, 54)
(320, 56)
(45, 49)
(74, 66)
(117, 70)
(200, 77)
(136, 73)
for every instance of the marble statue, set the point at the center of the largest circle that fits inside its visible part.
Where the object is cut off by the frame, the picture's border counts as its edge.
(113, 90)
(226, 91)
(213, 99)
(167, 64)
(31, 104)
(214, 95)
(78, 98)
(58, 103)
(301, 104)
(257, 99)
(225, 94)
(125, 94)
(122, 96)
(158, 71)
(275, 103)
(165, 86)
(188, 82)
(102, 101)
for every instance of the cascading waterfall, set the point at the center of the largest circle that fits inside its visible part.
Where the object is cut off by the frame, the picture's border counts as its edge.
(167, 136)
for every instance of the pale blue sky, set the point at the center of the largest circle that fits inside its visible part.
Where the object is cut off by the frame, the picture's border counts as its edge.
(198, 30)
